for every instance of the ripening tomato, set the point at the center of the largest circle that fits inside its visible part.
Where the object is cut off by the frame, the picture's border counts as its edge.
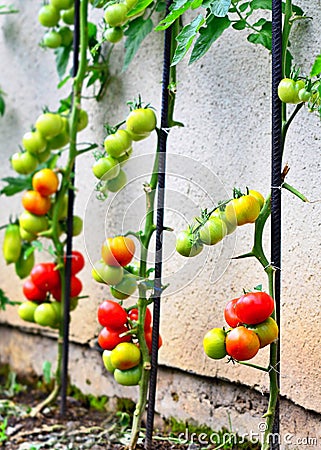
(118, 251)
(141, 121)
(244, 209)
(213, 231)
(45, 182)
(125, 356)
(35, 203)
(259, 197)
(32, 292)
(267, 331)
(133, 315)
(187, 245)
(148, 339)
(112, 315)
(214, 343)
(242, 344)
(230, 315)
(254, 307)
(230, 227)
(45, 276)
(108, 339)
(128, 377)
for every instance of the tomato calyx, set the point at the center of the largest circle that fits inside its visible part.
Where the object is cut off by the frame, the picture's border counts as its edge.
(138, 104)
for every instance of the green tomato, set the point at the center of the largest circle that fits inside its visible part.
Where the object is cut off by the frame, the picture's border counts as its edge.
(213, 231)
(24, 162)
(58, 312)
(66, 35)
(114, 35)
(77, 224)
(111, 275)
(118, 143)
(82, 120)
(68, 16)
(125, 157)
(186, 245)
(27, 236)
(48, 16)
(11, 247)
(214, 343)
(32, 223)
(52, 39)
(117, 183)
(44, 156)
(45, 315)
(230, 227)
(61, 4)
(131, 4)
(125, 288)
(267, 331)
(107, 362)
(304, 95)
(27, 310)
(125, 355)
(288, 90)
(141, 121)
(34, 142)
(137, 137)
(106, 167)
(49, 125)
(128, 377)
(116, 14)
(24, 265)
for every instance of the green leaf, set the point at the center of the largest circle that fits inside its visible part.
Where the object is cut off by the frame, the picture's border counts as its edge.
(46, 371)
(2, 105)
(209, 34)
(136, 32)
(186, 37)
(5, 301)
(220, 7)
(316, 68)
(260, 23)
(15, 185)
(262, 38)
(140, 6)
(244, 6)
(62, 59)
(177, 9)
(239, 25)
(63, 81)
(196, 4)
(261, 4)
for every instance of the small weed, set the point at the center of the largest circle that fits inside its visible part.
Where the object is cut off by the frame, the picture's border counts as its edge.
(3, 429)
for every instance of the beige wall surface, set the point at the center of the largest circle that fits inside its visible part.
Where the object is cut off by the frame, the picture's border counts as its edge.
(224, 102)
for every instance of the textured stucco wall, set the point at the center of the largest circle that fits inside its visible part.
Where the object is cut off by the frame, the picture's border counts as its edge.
(224, 102)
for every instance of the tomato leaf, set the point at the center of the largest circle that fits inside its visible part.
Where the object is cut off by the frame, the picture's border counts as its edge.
(5, 301)
(316, 68)
(140, 6)
(136, 32)
(263, 37)
(261, 4)
(177, 8)
(62, 59)
(239, 25)
(2, 105)
(220, 7)
(209, 34)
(186, 37)
(15, 185)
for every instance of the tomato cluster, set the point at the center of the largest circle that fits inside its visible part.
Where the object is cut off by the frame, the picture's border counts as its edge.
(252, 328)
(49, 16)
(111, 269)
(122, 355)
(118, 146)
(293, 91)
(43, 292)
(209, 230)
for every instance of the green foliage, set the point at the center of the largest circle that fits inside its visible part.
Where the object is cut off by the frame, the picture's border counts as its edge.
(136, 32)
(316, 68)
(5, 301)
(62, 59)
(16, 184)
(3, 428)
(2, 103)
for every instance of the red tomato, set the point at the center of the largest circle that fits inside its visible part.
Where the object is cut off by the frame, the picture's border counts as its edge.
(108, 339)
(133, 315)
(32, 292)
(230, 315)
(77, 262)
(45, 276)
(254, 307)
(148, 338)
(75, 288)
(112, 315)
(242, 344)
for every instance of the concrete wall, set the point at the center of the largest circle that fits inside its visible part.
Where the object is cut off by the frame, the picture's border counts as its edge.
(224, 102)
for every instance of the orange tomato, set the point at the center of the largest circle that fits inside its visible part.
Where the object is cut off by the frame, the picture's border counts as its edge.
(35, 203)
(45, 182)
